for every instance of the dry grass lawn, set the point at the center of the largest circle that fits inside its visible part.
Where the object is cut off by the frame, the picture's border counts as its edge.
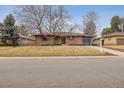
(37, 51)
(119, 48)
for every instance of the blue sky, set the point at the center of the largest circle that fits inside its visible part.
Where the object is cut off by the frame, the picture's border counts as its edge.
(104, 12)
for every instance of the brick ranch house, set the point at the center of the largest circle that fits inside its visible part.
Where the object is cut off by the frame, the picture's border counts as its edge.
(63, 38)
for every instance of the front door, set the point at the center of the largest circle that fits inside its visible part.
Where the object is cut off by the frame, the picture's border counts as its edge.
(102, 42)
(63, 40)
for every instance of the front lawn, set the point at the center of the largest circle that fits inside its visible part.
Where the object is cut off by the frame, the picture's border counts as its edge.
(119, 48)
(38, 51)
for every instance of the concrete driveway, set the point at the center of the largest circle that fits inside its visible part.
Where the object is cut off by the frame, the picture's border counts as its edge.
(111, 51)
(62, 72)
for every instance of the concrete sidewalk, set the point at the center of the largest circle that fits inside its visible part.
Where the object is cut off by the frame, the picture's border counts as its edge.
(114, 52)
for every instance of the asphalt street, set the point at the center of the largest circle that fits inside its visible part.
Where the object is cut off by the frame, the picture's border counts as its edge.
(62, 73)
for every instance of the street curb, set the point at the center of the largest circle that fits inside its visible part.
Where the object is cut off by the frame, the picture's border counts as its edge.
(64, 57)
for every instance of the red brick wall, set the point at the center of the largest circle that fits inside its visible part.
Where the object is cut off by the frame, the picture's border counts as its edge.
(37, 40)
(74, 41)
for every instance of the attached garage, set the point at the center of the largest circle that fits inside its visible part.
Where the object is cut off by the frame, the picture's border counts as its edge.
(120, 41)
(86, 40)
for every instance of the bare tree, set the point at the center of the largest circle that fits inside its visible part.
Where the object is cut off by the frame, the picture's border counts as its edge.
(55, 19)
(24, 30)
(31, 16)
(42, 18)
(71, 27)
(89, 23)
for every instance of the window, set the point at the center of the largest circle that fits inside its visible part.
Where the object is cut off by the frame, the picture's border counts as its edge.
(71, 38)
(57, 38)
(44, 39)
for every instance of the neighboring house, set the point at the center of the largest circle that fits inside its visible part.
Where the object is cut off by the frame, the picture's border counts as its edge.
(23, 40)
(116, 38)
(26, 40)
(63, 38)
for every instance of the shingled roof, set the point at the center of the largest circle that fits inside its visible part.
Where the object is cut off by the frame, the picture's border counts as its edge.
(26, 37)
(62, 34)
(115, 34)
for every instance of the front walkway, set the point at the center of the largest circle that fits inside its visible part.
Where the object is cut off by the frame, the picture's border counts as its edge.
(114, 52)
